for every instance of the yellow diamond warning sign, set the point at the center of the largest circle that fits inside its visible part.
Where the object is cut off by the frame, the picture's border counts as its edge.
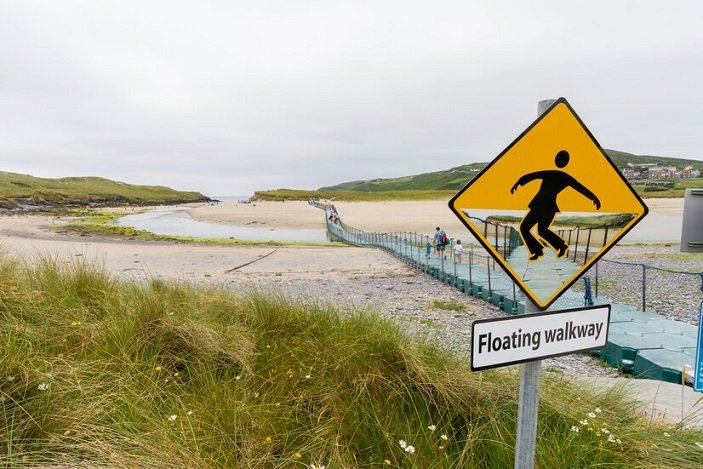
(550, 205)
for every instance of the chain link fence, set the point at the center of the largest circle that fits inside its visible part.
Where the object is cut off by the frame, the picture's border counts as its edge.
(674, 294)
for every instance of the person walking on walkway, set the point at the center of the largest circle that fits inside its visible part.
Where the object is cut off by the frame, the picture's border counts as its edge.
(543, 207)
(440, 240)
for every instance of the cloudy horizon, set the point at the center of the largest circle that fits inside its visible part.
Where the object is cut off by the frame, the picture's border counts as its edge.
(231, 97)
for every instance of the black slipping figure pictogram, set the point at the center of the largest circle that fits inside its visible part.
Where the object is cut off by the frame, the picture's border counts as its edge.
(543, 207)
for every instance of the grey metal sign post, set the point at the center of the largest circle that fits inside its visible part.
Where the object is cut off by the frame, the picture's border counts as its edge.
(528, 404)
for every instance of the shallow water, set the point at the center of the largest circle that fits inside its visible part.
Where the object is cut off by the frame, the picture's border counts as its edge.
(175, 221)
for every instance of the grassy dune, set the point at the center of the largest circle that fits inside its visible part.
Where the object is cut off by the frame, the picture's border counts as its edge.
(95, 372)
(21, 189)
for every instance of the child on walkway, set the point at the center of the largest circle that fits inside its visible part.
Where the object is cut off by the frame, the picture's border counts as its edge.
(458, 249)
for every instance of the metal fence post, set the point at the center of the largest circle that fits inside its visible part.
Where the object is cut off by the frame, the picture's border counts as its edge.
(596, 286)
(644, 287)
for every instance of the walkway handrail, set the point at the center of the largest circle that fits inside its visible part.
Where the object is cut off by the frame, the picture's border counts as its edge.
(480, 278)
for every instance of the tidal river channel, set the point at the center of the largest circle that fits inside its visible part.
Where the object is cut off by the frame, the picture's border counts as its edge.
(175, 221)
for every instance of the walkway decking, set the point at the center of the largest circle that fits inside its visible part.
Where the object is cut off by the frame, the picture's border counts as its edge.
(645, 344)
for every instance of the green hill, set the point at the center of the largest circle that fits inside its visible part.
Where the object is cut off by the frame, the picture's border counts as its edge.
(21, 190)
(449, 179)
(456, 178)
(621, 159)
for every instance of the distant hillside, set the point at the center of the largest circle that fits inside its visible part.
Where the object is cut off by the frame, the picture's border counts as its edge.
(449, 179)
(620, 158)
(24, 191)
(456, 178)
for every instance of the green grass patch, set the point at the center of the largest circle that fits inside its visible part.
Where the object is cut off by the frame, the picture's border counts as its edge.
(447, 305)
(423, 321)
(96, 372)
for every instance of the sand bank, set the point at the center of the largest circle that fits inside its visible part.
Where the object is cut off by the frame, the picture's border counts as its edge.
(414, 216)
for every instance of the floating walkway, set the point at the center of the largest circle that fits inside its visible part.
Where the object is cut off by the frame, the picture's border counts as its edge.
(645, 344)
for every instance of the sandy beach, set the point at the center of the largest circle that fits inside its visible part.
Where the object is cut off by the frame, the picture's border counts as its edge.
(413, 216)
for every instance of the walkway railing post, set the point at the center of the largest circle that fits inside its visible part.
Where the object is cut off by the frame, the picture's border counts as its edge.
(441, 256)
(405, 244)
(471, 263)
(455, 272)
(488, 270)
(427, 257)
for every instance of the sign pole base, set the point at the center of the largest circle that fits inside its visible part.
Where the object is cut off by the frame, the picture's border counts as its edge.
(528, 406)
(526, 439)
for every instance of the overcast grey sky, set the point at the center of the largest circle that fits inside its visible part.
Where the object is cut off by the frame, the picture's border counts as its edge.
(227, 97)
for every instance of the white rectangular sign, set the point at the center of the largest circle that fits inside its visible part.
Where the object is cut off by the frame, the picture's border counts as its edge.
(506, 341)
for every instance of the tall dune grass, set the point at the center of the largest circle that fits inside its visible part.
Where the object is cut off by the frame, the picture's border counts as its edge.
(96, 372)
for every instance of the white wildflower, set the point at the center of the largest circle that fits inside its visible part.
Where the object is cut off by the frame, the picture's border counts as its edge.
(432, 428)
(575, 429)
(666, 434)
(592, 415)
(605, 430)
(410, 449)
(583, 422)
(597, 410)
(43, 386)
(403, 444)
(171, 418)
(444, 437)
(611, 438)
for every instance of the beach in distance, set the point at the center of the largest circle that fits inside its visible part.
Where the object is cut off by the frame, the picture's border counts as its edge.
(662, 224)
